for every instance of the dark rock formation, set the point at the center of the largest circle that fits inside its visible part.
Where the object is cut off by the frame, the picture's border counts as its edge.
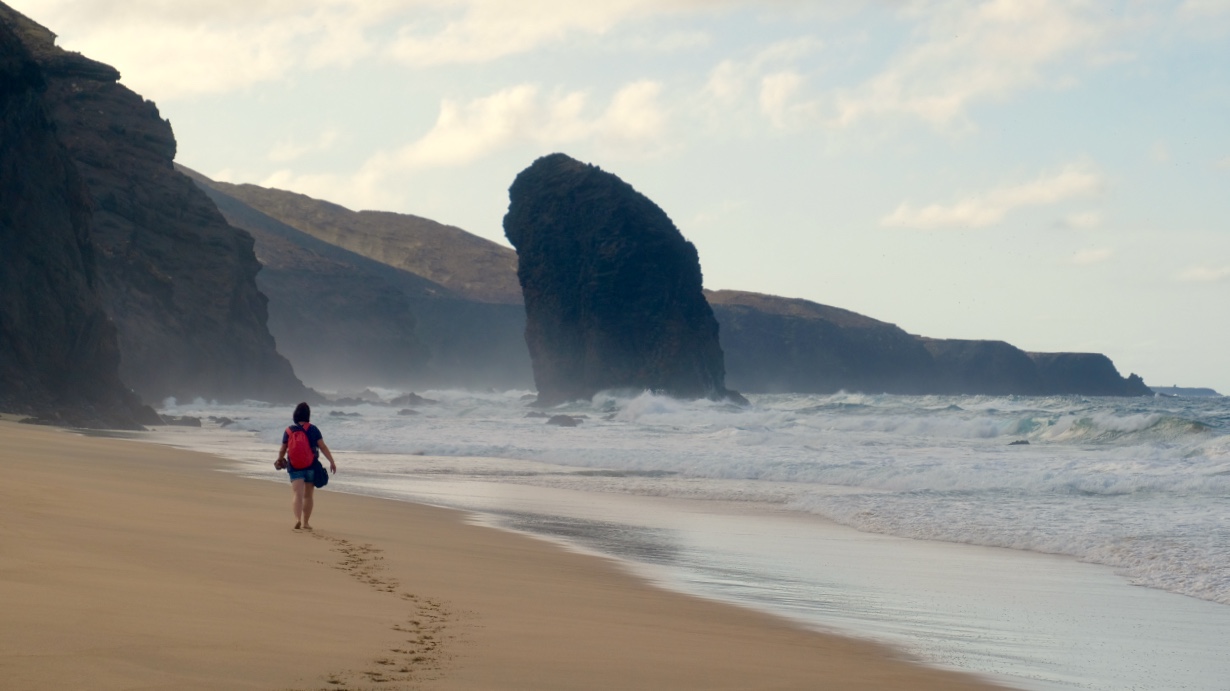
(58, 352)
(412, 399)
(779, 345)
(564, 421)
(181, 420)
(991, 368)
(612, 289)
(389, 325)
(176, 280)
(1086, 374)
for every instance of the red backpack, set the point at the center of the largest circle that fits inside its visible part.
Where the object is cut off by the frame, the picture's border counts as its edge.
(298, 448)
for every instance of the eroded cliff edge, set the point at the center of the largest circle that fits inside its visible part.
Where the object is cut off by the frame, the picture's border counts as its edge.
(176, 280)
(59, 357)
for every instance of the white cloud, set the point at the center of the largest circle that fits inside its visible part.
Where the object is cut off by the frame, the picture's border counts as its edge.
(978, 211)
(490, 29)
(776, 92)
(1204, 20)
(170, 49)
(973, 52)
(1093, 255)
(518, 114)
(1205, 274)
(290, 150)
(731, 80)
(1084, 220)
(466, 132)
(726, 81)
(463, 133)
(634, 114)
(1203, 9)
(362, 190)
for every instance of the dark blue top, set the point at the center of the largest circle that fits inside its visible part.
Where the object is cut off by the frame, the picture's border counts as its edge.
(314, 436)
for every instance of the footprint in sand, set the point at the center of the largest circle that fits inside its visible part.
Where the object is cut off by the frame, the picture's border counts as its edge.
(420, 658)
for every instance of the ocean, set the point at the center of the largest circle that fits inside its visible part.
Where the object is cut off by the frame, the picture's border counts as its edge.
(1047, 543)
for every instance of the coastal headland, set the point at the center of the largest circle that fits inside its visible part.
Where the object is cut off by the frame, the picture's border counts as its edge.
(132, 565)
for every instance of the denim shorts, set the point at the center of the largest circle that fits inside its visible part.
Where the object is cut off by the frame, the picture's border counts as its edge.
(308, 475)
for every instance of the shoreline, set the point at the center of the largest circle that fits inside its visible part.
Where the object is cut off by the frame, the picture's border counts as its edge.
(160, 572)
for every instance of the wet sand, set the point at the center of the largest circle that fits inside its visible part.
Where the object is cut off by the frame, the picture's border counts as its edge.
(130, 565)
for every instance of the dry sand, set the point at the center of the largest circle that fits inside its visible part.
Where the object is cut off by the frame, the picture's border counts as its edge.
(126, 565)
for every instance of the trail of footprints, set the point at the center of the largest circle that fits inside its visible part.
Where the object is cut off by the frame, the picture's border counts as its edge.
(419, 657)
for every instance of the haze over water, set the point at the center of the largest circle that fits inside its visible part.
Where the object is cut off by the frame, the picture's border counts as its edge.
(870, 515)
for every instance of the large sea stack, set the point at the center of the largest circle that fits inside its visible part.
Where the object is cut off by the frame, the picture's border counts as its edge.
(58, 353)
(613, 296)
(177, 281)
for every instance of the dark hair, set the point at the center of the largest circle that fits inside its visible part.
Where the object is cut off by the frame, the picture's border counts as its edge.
(302, 413)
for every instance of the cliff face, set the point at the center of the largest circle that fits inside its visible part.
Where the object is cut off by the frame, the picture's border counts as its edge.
(177, 281)
(995, 368)
(780, 345)
(991, 368)
(612, 289)
(58, 352)
(382, 324)
(1088, 374)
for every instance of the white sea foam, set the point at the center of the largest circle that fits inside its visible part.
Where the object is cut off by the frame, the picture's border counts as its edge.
(1142, 485)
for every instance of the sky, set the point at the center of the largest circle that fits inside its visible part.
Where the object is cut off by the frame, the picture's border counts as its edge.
(1051, 174)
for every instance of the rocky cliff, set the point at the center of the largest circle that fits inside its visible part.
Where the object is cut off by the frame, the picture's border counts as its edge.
(383, 324)
(1087, 374)
(612, 290)
(995, 368)
(775, 345)
(177, 281)
(991, 368)
(59, 356)
(778, 345)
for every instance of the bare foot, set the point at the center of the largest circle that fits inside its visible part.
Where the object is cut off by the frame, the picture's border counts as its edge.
(296, 525)
(307, 527)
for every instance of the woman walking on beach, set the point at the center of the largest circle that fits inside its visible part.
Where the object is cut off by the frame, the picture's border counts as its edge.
(302, 478)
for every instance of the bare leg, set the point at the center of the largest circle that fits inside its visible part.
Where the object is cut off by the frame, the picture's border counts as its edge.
(298, 488)
(308, 491)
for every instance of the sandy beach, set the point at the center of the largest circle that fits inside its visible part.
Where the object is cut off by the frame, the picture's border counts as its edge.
(128, 565)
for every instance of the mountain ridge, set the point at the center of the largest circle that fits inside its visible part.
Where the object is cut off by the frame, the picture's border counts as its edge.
(474, 268)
